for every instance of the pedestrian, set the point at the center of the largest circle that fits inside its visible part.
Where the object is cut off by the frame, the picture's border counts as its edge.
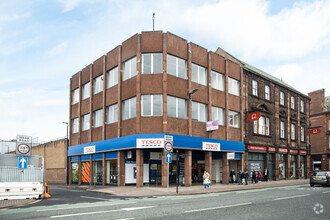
(232, 176)
(206, 179)
(245, 177)
(240, 177)
(253, 177)
(259, 175)
(266, 174)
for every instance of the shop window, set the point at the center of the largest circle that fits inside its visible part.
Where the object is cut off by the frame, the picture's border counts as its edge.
(329, 142)
(282, 98)
(282, 166)
(261, 126)
(254, 88)
(328, 124)
(75, 96)
(129, 69)
(302, 166)
(292, 102)
(176, 66)
(151, 105)
(218, 114)
(112, 172)
(85, 172)
(85, 122)
(86, 91)
(112, 77)
(233, 86)
(98, 84)
(218, 81)
(152, 63)
(176, 107)
(98, 118)
(97, 172)
(129, 108)
(282, 128)
(293, 132)
(234, 119)
(302, 106)
(293, 166)
(267, 93)
(75, 125)
(75, 172)
(112, 113)
(302, 133)
(199, 111)
(198, 74)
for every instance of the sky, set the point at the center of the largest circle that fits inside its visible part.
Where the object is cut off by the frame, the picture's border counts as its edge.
(44, 43)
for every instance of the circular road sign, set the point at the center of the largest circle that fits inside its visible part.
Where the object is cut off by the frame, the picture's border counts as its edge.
(23, 148)
(168, 147)
(315, 131)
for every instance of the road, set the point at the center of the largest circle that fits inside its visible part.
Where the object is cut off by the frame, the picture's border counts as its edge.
(292, 202)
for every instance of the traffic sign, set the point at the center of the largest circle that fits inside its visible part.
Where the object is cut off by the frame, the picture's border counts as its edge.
(168, 147)
(23, 145)
(22, 162)
(23, 149)
(168, 158)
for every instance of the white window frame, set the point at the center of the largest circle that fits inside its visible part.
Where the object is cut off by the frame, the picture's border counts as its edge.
(75, 125)
(153, 71)
(302, 133)
(218, 82)
(178, 108)
(85, 122)
(218, 114)
(261, 126)
(201, 78)
(292, 102)
(302, 106)
(198, 111)
(86, 91)
(267, 92)
(282, 98)
(112, 114)
(98, 84)
(129, 65)
(129, 105)
(282, 129)
(177, 59)
(329, 144)
(75, 96)
(254, 87)
(98, 118)
(233, 114)
(112, 77)
(152, 100)
(233, 86)
(329, 124)
(293, 131)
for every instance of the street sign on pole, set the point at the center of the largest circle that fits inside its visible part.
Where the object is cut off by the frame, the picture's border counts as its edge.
(22, 162)
(168, 143)
(23, 145)
(168, 147)
(168, 158)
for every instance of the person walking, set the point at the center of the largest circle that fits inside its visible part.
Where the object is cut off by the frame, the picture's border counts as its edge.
(259, 175)
(206, 179)
(246, 176)
(253, 177)
(240, 175)
(266, 174)
(232, 176)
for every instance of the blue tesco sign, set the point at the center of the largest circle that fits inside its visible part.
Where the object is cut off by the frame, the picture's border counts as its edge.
(22, 162)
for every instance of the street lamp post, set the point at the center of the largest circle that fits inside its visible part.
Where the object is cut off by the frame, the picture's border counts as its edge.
(67, 146)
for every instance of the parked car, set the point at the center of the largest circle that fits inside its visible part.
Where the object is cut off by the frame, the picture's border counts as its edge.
(320, 178)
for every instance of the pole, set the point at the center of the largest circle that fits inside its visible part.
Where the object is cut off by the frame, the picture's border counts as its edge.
(168, 177)
(153, 22)
(177, 171)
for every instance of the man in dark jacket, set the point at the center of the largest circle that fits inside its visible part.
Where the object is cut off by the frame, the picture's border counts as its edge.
(246, 176)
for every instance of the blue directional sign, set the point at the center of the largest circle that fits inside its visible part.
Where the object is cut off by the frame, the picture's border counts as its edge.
(22, 162)
(168, 158)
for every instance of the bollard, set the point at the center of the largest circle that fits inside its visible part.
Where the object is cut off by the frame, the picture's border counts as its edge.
(46, 194)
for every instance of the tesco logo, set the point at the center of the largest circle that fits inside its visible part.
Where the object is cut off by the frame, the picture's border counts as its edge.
(89, 150)
(150, 143)
(211, 146)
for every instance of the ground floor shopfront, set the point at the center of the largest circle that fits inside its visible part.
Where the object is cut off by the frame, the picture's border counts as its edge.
(281, 163)
(320, 161)
(140, 159)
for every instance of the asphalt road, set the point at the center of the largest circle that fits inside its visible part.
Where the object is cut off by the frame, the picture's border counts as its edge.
(294, 202)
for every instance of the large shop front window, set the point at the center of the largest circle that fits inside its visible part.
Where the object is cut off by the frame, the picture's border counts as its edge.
(176, 107)
(302, 166)
(282, 165)
(152, 105)
(129, 108)
(74, 172)
(112, 171)
(176, 66)
(129, 69)
(199, 111)
(97, 172)
(218, 81)
(293, 160)
(261, 126)
(234, 119)
(85, 172)
(198, 74)
(218, 114)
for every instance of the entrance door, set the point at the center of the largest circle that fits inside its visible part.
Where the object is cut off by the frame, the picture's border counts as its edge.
(155, 172)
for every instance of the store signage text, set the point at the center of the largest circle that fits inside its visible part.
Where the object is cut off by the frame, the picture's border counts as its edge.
(257, 148)
(283, 150)
(294, 151)
(230, 156)
(303, 152)
(150, 143)
(89, 149)
(211, 146)
(272, 149)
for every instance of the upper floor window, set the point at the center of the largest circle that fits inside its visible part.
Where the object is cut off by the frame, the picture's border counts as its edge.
(198, 74)
(75, 96)
(98, 118)
(129, 69)
(176, 66)
(218, 81)
(292, 102)
(112, 77)
(302, 133)
(233, 86)
(86, 91)
(85, 122)
(329, 142)
(218, 114)
(254, 88)
(129, 108)
(261, 126)
(234, 119)
(98, 84)
(152, 105)
(282, 129)
(293, 132)
(152, 63)
(281, 98)
(199, 111)
(112, 113)
(75, 125)
(329, 124)
(176, 107)
(267, 93)
(302, 106)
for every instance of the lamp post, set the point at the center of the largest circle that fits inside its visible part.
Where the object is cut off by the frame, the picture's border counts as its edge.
(192, 92)
(67, 146)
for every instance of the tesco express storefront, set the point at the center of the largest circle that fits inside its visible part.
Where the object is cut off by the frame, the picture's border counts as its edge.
(141, 159)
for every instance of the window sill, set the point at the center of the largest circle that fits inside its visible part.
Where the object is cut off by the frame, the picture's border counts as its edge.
(262, 135)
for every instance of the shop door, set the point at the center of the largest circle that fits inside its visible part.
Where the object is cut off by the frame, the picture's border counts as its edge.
(271, 169)
(155, 172)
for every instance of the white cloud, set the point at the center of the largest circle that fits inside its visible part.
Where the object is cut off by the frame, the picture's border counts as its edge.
(14, 17)
(69, 5)
(58, 49)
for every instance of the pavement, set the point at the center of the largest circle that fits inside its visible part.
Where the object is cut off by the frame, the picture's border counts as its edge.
(155, 191)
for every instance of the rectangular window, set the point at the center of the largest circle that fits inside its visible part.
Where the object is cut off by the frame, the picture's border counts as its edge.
(329, 124)
(85, 122)
(75, 125)
(176, 67)
(293, 132)
(176, 107)
(267, 93)
(112, 114)
(329, 142)
(75, 96)
(292, 102)
(97, 118)
(218, 114)
(98, 84)
(86, 91)
(129, 69)
(112, 77)
(234, 119)
(129, 108)
(233, 86)
(302, 133)
(152, 63)
(282, 127)
(152, 105)
(199, 111)
(218, 81)
(302, 106)
(281, 98)
(198, 74)
(261, 126)
(254, 88)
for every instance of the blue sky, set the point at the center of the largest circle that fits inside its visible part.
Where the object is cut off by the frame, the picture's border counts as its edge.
(43, 43)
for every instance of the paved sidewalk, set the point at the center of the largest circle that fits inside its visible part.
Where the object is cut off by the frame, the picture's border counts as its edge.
(150, 191)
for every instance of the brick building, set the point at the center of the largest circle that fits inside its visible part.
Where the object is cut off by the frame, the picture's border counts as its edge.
(320, 118)
(157, 84)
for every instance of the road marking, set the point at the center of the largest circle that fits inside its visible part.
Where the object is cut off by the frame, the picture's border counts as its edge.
(326, 192)
(251, 190)
(88, 197)
(292, 197)
(126, 218)
(91, 206)
(220, 207)
(99, 212)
